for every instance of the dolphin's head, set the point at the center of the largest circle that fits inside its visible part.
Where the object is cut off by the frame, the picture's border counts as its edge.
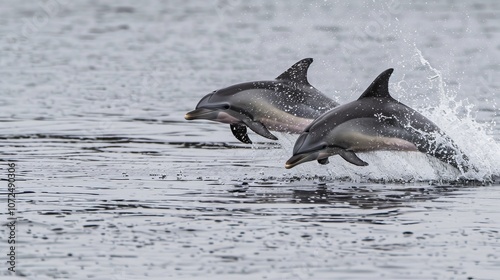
(308, 147)
(209, 108)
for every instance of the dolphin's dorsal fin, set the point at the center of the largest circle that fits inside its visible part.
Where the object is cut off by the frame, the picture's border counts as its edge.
(379, 87)
(297, 73)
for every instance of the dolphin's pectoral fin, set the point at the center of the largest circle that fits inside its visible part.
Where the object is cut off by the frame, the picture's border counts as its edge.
(240, 132)
(260, 129)
(352, 158)
(297, 73)
(323, 161)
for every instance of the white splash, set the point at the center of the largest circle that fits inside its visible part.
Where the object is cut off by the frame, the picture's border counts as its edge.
(472, 137)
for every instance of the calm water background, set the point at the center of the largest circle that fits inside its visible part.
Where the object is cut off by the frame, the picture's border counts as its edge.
(115, 184)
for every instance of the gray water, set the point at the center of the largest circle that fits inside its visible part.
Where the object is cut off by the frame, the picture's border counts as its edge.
(113, 183)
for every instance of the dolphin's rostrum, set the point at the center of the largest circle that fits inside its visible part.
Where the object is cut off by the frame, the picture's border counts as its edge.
(287, 104)
(375, 121)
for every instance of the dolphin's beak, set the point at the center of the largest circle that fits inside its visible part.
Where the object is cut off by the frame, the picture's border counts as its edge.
(200, 113)
(301, 158)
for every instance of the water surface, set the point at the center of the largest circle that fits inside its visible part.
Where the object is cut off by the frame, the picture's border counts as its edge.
(114, 184)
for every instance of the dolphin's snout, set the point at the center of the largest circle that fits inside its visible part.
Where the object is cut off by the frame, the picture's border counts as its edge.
(188, 117)
(306, 149)
(293, 161)
(199, 113)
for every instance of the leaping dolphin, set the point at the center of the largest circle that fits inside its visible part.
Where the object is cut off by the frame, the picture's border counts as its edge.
(375, 121)
(287, 104)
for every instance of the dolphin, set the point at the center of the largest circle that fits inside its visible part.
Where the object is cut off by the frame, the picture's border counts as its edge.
(287, 104)
(375, 121)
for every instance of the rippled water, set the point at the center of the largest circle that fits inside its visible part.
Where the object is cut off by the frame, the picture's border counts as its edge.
(114, 184)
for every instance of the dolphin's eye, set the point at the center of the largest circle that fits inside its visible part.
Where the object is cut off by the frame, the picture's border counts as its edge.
(324, 146)
(226, 106)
